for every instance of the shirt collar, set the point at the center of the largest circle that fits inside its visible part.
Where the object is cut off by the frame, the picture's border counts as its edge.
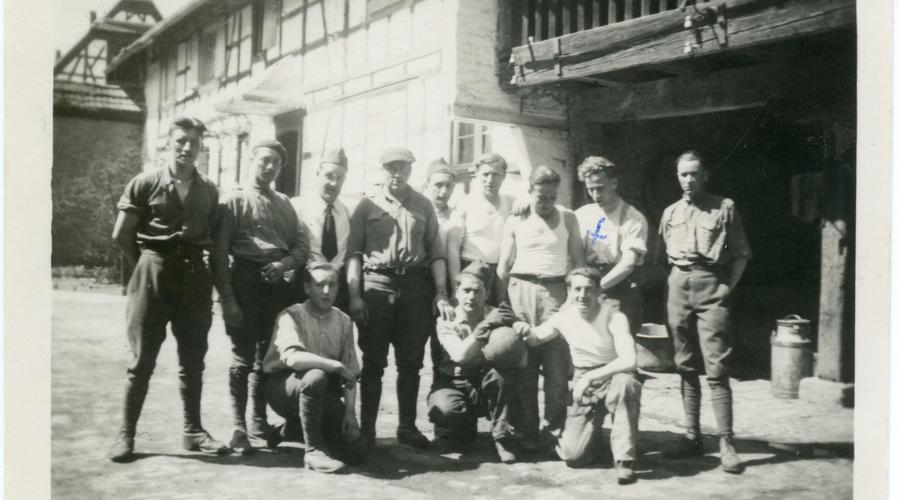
(697, 200)
(404, 195)
(168, 179)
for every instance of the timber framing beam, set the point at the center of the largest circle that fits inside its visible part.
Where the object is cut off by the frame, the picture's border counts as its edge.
(662, 38)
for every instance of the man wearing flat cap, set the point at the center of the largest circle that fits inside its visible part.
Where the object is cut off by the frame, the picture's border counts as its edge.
(480, 358)
(327, 220)
(396, 275)
(259, 229)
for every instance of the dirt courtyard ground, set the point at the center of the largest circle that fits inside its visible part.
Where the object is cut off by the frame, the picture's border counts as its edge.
(792, 449)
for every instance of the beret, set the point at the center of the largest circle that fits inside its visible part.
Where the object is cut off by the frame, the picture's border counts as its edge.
(504, 349)
(397, 154)
(335, 156)
(439, 166)
(274, 146)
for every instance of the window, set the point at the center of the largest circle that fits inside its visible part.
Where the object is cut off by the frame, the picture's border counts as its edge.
(470, 142)
(207, 56)
(238, 43)
(269, 28)
(185, 70)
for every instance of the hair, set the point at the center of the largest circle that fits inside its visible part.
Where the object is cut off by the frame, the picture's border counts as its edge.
(588, 272)
(187, 123)
(318, 266)
(543, 175)
(595, 165)
(491, 160)
(691, 155)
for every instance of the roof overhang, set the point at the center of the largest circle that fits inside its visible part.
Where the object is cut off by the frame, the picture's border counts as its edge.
(277, 90)
(662, 39)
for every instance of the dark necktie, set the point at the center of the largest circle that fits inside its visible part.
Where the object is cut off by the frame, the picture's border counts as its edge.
(329, 234)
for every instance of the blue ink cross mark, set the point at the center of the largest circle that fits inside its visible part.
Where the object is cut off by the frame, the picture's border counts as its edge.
(595, 234)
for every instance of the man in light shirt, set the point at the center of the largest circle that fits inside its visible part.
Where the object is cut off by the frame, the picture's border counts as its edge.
(480, 217)
(605, 361)
(327, 220)
(614, 234)
(439, 186)
(312, 369)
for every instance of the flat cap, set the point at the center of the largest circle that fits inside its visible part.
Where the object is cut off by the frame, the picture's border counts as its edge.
(490, 159)
(397, 154)
(274, 146)
(480, 270)
(335, 156)
(439, 166)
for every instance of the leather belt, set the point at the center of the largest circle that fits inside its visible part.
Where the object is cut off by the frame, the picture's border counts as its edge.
(399, 271)
(538, 278)
(698, 267)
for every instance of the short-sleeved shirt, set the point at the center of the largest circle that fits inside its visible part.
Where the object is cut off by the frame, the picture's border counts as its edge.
(707, 230)
(481, 225)
(299, 329)
(590, 342)
(311, 211)
(259, 226)
(392, 232)
(163, 217)
(447, 368)
(610, 235)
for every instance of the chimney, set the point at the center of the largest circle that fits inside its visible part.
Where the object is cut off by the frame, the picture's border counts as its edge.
(93, 16)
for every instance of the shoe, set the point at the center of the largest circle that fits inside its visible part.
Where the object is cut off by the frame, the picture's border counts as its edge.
(319, 461)
(239, 441)
(368, 438)
(688, 446)
(730, 460)
(625, 471)
(204, 443)
(530, 444)
(412, 437)
(122, 450)
(504, 451)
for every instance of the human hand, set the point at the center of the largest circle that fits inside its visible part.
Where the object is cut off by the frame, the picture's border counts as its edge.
(522, 329)
(273, 271)
(346, 375)
(358, 310)
(444, 309)
(520, 207)
(231, 312)
(580, 388)
(722, 291)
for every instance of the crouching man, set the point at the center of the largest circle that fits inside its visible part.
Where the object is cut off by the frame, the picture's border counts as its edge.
(481, 356)
(605, 360)
(312, 369)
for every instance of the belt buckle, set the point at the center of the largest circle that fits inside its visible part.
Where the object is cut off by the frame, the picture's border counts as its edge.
(400, 271)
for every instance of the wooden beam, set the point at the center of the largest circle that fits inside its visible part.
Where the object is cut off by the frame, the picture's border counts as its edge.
(603, 82)
(660, 38)
(503, 116)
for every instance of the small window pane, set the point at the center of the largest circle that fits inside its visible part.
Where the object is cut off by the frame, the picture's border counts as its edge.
(466, 150)
(292, 33)
(466, 129)
(290, 5)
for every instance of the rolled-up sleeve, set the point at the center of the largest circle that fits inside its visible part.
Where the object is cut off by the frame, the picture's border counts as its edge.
(634, 234)
(134, 198)
(287, 339)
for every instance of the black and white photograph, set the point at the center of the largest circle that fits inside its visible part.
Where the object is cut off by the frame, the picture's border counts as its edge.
(487, 249)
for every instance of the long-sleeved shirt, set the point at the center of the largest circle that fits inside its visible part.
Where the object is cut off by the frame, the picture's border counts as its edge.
(259, 226)
(298, 329)
(609, 235)
(311, 212)
(395, 232)
(163, 217)
(706, 230)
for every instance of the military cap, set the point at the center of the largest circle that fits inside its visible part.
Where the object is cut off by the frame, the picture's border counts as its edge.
(439, 166)
(335, 156)
(480, 270)
(397, 154)
(274, 146)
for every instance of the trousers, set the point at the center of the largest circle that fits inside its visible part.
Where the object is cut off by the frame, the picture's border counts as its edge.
(699, 322)
(454, 405)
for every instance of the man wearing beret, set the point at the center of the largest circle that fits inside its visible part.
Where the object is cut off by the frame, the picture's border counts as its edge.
(476, 370)
(605, 361)
(259, 229)
(327, 220)
(165, 222)
(396, 275)
(705, 243)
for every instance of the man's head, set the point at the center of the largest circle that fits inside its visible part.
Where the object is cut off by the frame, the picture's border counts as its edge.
(331, 174)
(397, 166)
(692, 174)
(185, 135)
(490, 170)
(470, 287)
(601, 179)
(321, 284)
(440, 183)
(269, 156)
(543, 186)
(584, 289)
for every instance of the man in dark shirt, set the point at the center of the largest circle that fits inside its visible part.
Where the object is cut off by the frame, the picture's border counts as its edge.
(396, 276)
(164, 225)
(259, 229)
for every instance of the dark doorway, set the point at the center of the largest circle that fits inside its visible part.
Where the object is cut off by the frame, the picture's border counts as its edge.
(287, 181)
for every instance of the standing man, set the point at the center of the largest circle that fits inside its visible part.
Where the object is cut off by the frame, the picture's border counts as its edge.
(327, 221)
(537, 250)
(614, 234)
(605, 361)
(312, 369)
(480, 217)
(396, 275)
(439, 187)
(260, 231)
(705, 243)
(165, 221)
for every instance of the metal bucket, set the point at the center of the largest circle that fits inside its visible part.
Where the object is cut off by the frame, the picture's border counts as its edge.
(654, 349)
(792, 358)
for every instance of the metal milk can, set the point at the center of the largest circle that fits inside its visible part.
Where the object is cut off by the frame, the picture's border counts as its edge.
(792, 356)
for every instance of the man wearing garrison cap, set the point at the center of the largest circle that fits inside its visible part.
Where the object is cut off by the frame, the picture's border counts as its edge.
(327, 220)
(396, 273)
(259, 229)
(479, 363)
(439, 186)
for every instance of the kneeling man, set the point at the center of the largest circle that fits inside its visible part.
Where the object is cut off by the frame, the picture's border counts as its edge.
(481, 356)
(312, 370)
(605, 360)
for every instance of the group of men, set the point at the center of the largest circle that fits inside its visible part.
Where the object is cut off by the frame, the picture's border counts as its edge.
(506, 290)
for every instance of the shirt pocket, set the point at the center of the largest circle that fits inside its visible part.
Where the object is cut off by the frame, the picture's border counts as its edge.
(417, 224)
(677, 236)
(379, 227)
(709, 231)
